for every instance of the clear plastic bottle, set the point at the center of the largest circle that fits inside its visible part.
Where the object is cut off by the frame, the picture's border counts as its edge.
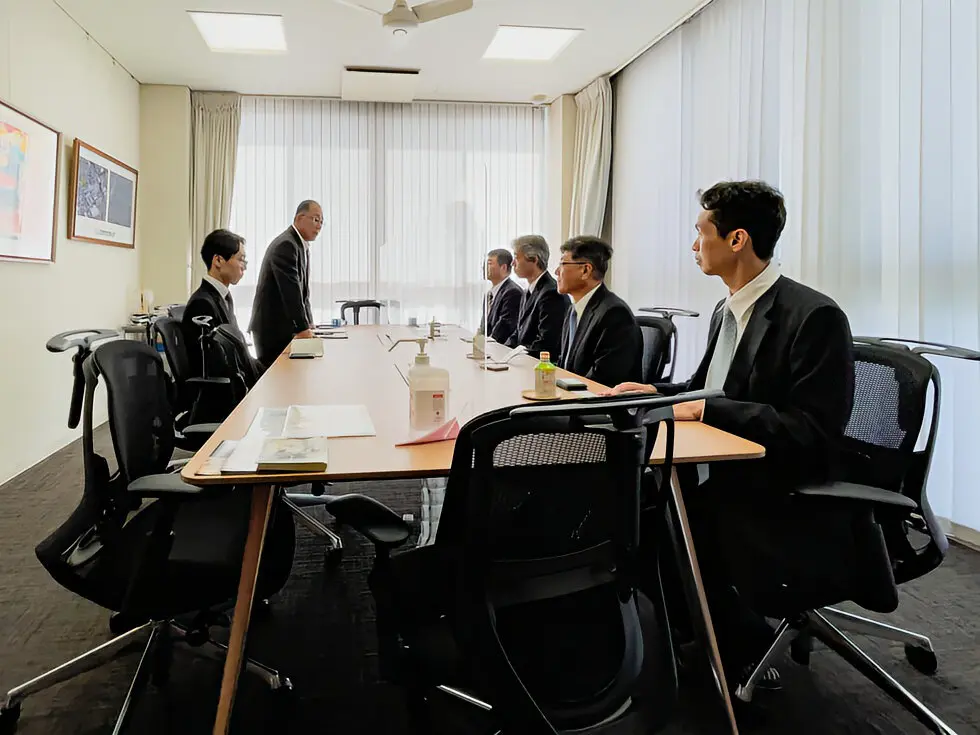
(545, 375)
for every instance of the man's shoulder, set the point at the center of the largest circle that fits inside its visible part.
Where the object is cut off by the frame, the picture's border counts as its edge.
(285, 239)
(802, 298)
(509, 287)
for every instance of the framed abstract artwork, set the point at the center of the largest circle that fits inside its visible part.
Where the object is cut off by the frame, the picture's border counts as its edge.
(102, 199)
(29, 174)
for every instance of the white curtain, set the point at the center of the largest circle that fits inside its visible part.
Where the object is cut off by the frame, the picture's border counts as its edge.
(214, 135)
(593, 158)
(413, 197)
(866, 116)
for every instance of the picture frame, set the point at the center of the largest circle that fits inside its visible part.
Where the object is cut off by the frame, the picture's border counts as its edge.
(30, 172)
(102, 201)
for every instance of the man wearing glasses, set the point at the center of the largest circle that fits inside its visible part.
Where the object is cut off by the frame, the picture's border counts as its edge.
(600, 338)
(281, 310)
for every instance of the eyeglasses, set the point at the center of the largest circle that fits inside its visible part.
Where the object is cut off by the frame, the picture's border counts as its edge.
(563, 263)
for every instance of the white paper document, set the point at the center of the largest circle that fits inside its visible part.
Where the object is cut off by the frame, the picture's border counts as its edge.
(303, 422)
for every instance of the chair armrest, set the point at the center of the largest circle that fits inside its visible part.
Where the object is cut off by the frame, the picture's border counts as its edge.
(176, 464)
(865, 493)
(374, 520)
(668, 311)
(162, 486)
(198, 429)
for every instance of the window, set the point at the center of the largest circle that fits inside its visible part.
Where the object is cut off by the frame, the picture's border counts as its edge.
(413, 197)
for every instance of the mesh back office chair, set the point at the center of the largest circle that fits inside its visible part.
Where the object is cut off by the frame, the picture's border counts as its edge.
(356, 306)
(526, 606)
(882, 470)
(150, 561)
(194, 395)
(659, 341)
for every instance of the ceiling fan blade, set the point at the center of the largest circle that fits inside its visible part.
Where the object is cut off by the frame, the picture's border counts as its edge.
(357, 6)
(435, 9)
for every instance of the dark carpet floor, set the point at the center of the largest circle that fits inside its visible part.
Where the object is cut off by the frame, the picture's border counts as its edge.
(321, 634)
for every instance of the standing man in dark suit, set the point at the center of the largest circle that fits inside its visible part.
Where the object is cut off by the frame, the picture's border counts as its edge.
(542, 311)
(281, 311)
(600, 339)
(782, 354)
(503, 299)
(223, 252)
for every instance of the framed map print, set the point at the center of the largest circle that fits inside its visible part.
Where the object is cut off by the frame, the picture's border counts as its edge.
(29, 167)
(103, 198)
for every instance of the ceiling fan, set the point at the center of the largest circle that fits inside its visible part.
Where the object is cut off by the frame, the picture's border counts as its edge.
(402, 17)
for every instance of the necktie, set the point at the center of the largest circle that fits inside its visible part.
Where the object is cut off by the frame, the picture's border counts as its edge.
(572, 324)
(721, 361)
(231, 310)
(721, 358)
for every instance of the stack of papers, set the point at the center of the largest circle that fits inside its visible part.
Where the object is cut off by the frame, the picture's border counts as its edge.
(306, 428)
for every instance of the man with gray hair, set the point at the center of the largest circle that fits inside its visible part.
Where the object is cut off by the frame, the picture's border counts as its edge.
(281, 310)
(542, 312)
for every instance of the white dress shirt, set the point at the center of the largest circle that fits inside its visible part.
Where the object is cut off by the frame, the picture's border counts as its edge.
(580, 305)
(742, 302)
(221, 288)
(300, 237)
(531, 284)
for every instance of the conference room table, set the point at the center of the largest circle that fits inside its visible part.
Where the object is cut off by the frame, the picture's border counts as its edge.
(368, 369)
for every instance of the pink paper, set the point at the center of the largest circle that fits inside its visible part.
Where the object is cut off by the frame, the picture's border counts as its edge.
(446, 432)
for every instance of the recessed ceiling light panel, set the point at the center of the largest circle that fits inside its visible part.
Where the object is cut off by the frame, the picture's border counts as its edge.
(241, 33)
(527, 43)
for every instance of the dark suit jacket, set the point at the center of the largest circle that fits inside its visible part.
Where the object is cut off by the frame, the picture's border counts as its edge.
(501, 320)
(608, 346)
(206, 301)
(282, 297)
(790, 388)
(540, 319)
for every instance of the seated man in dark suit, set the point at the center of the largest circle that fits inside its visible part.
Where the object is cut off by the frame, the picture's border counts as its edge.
(223, 253)
(782, 354)
(281, 310)
(600, 340)
(542, 312)
(503, 300)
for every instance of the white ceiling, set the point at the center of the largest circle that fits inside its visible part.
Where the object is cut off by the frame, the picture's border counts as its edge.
(157, 41)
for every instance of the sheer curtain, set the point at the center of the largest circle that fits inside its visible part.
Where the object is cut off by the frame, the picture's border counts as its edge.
(593, 158)
(866, 116)
(413, 197)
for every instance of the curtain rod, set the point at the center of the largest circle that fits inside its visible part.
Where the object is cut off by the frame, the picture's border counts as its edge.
(684, 19)
(334, 98)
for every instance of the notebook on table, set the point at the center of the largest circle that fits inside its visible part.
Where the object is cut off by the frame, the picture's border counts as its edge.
(306, 348)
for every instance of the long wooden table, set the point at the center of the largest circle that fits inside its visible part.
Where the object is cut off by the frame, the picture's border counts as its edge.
(361, 370)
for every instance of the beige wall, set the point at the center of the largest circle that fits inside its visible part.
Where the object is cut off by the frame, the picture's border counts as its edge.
(561, 157)
(51, 70)
(165, 218)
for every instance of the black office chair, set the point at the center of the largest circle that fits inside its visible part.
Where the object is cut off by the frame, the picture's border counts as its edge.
(195, 396)
(176, 311)
(660, 341)
(526, 606)
(177, 555)
(883, 477)
(356, 306)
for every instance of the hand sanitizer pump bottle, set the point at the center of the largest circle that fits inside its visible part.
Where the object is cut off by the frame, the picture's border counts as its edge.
(428, 390)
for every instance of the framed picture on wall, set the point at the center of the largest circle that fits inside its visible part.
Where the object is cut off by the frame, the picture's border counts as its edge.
(29, 169)
(102, 199)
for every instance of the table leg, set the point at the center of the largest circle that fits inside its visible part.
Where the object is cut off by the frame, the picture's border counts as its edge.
(694, 586)
(258, 521)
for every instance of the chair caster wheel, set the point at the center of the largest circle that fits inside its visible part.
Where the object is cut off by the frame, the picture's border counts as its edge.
(800, 650)
(120, 623)
(922, 659)
(333, 557)
(8, 719)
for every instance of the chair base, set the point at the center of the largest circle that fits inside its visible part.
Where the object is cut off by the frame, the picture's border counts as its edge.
(816, 624)
(918, 648)
(154, 666)
(295, 502)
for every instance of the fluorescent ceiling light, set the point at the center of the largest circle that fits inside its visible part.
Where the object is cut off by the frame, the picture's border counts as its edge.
(529, 44)
(241, 32)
